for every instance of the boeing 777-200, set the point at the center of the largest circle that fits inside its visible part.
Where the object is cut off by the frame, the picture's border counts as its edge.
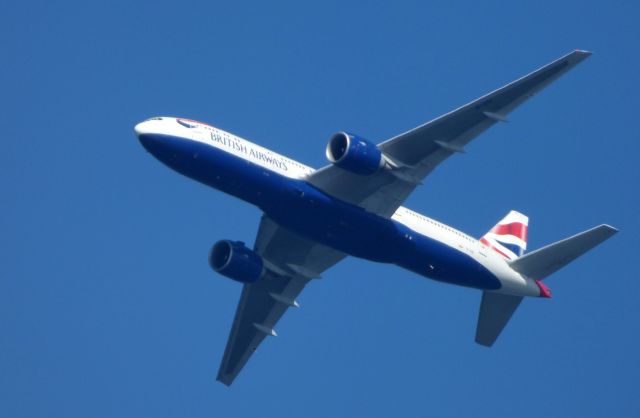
(314, 218)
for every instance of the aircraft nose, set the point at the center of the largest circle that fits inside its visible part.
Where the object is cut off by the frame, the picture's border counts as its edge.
(155, 139)
(145, 134)
(141, 128)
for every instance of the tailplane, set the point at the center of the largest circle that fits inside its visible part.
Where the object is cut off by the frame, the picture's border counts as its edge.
(496, 309)
(509, 237)
(547, 260)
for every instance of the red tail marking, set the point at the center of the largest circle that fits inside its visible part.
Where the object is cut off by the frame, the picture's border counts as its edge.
(517, 229)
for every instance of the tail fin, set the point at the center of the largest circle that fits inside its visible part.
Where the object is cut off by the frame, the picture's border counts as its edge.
(545, 261)
(509, 237)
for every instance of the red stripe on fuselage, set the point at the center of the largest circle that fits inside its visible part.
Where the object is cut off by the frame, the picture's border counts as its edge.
(488, 244)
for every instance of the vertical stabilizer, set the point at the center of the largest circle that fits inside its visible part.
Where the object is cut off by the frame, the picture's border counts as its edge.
(509, 237)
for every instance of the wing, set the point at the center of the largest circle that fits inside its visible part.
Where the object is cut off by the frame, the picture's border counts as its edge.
(414, 154)
(292, 261)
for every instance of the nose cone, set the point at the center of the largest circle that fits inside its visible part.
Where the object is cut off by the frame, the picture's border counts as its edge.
(144, 134)
(150, 132)
(139, 129)
(158, 139)
(147, 127)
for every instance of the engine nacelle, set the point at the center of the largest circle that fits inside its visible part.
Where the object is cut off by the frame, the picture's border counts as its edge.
(354, 154)
(234, 260)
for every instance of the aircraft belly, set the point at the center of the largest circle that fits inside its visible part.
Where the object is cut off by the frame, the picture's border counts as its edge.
(362, 234)
(297, 205)
(212, 166)
(344, 227)
(438, 261)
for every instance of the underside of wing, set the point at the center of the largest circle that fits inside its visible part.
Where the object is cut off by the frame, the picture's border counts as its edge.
(414, 154)
(495, 312)
(292, 261)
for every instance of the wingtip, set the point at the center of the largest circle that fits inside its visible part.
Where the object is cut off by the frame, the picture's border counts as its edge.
(224, 380)
(577, 56)
(613, 229)
(583, 52)
(483, 343)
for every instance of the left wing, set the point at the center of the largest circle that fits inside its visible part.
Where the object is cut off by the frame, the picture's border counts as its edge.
(414, 154)
(292, 261)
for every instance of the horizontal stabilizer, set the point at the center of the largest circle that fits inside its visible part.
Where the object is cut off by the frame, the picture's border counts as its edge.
(495, 311)
(545, 261)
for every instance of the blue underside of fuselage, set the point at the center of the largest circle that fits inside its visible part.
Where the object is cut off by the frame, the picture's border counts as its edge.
(299, 206)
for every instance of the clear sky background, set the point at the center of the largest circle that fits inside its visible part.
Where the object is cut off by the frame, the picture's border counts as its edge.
(108, 307)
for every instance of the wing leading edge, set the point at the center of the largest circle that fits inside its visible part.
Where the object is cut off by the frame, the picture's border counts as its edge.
(418, 151)
(293, 261)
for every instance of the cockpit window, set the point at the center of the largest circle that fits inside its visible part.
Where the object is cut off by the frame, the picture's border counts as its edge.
(186, 123)
(153, 119)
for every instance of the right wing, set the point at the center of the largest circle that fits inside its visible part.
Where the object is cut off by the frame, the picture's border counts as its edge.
(292, 261)
(415, 153)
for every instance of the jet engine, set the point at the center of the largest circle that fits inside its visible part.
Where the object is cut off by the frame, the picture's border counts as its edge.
(234, 260)
(354, 154)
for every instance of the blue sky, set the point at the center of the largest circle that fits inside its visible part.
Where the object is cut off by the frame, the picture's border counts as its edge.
(108, 307)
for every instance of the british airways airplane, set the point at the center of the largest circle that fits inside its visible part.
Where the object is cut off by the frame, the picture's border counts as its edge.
(314, 218)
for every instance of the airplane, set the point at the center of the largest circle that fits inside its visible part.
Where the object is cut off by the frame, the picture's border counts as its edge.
(312, 219)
